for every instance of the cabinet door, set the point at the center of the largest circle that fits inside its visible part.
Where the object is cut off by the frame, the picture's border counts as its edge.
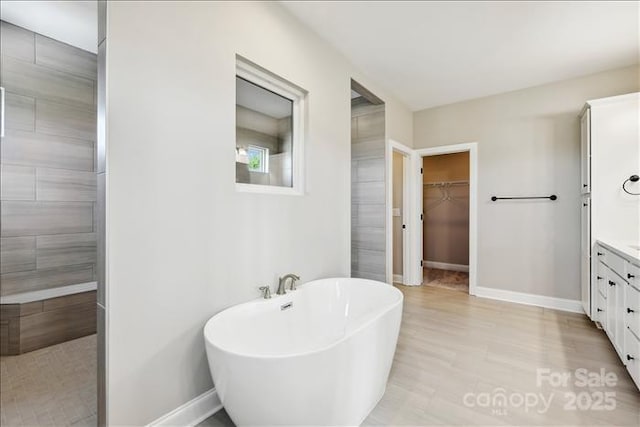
(611, 310)
(615, 311)
(585, 151)
(587, 292)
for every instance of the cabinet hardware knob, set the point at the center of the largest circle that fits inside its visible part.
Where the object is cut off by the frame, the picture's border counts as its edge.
(630, 310)
(599, 277)
(630, 276)
(584, 185)
(612, 283)
(599, 310)
(630, 357)
(585, 204)
(599, 253)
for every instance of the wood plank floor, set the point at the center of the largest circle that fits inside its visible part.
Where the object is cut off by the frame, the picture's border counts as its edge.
(456, 351)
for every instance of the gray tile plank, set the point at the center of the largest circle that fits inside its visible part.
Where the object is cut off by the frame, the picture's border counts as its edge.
(33, 149)
(367, 148)
(368, 192)
(219, 419)
(17, 254)
(100, 223)
(371, 125)
(44, 83)
(54, 118)
(13, 283)
(102, 20)
(368, 238)
(63, 57)
(370, 170)
(17, 183)
(20, 112)
(366, 260)
(368, 215)
(65, 249)
(65, 185)
(36, 218)
(101, 131)
(17, 42)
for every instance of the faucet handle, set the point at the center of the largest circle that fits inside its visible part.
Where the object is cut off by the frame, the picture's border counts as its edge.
(266, 292)
(294, 279)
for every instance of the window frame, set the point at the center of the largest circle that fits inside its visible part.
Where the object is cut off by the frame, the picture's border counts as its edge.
(259, 76)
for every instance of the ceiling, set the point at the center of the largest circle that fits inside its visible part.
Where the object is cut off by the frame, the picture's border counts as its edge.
(436, 53)
(73, 22)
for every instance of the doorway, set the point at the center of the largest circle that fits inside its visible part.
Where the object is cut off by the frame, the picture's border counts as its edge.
(445, 201)
(447, 232)
(400, 169)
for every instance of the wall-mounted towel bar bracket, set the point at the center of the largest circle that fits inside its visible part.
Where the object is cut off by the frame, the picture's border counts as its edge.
(551, 197)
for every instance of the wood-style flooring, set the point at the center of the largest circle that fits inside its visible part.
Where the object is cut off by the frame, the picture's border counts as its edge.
(455, 352)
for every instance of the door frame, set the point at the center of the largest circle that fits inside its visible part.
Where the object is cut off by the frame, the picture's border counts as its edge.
(472, 148)
(408, 215)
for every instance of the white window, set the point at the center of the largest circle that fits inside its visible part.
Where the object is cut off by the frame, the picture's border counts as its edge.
(258, 159)
(270, 114)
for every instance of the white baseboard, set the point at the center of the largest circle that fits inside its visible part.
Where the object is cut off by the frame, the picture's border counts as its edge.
(446, 266)
(191, 413)
(573, 306)
(397, 278)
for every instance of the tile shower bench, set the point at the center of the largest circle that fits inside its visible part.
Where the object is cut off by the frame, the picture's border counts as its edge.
(37, 319)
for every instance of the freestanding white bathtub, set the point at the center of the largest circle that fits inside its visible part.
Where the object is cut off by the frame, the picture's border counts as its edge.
(322, 361)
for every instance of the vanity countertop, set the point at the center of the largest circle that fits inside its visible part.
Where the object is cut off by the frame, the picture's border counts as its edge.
(626, 249)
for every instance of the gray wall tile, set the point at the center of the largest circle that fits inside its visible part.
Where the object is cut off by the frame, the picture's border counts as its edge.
(17, 254)
(368, 215)
(100, 217)
(17, 42)
(63, 57)
(368, 192)
(102, 21)
(35, 218)
(44, 83)
(65, 185)
(20, 112)
(368, 238)
(368, 260)
(100, 122)
(32, 149)
(13, 283)
(371, 125)
(65, 249)
(368, 148)
(65, 120)
(17, 183)
(370, 170)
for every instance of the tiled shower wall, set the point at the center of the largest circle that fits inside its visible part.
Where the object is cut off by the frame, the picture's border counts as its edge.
(368, 238)
(48, 224)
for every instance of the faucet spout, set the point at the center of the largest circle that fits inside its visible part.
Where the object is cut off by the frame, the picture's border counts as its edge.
(282, 282)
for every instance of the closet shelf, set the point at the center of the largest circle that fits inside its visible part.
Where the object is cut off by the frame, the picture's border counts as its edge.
(445, 183)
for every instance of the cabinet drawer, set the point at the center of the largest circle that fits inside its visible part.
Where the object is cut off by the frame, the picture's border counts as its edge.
(633, 275)
(616, 263)
(601, 254)
(601, 278)
(632, 309)
(631, 356)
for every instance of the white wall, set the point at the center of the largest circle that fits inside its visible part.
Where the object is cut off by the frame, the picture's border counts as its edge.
(182, 244)
(528, 144)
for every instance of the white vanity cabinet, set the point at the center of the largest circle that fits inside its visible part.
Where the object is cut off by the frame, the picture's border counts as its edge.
(617, 303)
(610, 154)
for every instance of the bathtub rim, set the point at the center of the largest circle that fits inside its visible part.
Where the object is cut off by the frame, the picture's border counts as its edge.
(342, 339)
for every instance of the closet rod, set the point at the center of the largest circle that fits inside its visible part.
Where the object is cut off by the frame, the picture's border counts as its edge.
(443, 183)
